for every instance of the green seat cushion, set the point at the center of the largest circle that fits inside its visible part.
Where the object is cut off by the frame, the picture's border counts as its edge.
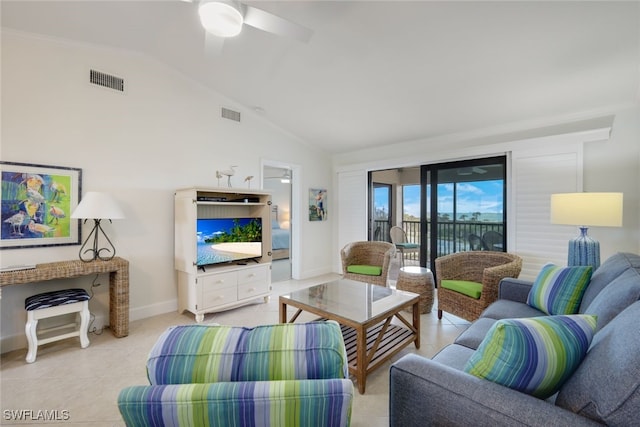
(367, 270)
(407, 245)
(470, 289)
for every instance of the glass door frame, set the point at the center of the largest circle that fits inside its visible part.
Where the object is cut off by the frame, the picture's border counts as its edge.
(429, 187)
(384, 233)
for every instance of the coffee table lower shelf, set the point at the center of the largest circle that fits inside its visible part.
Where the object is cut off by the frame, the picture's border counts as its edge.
(394, 339)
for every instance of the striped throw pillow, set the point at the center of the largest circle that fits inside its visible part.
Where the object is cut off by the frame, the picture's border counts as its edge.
(533, 355)
(559, 290)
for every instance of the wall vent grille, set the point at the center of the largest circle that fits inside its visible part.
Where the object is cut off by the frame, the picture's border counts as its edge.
(106, 80)
(230, 114)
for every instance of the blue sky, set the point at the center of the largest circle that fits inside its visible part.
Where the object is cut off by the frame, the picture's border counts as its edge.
(480, 196)
(208, 227)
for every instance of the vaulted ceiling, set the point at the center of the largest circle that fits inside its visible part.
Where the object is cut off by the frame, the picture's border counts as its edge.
(382, 72)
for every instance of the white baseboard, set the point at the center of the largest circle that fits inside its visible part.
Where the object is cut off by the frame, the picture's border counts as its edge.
(307, 274)
(19, 341)
(153, 310)
(13, 342)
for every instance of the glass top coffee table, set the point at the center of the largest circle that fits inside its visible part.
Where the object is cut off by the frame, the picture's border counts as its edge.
(364, 312)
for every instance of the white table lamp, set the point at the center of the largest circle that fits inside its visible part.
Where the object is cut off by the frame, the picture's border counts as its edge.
(586, 209)
(97, 206)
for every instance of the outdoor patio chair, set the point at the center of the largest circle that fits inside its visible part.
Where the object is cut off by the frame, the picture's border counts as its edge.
(475, 242)
(399, 239)
(492, 241)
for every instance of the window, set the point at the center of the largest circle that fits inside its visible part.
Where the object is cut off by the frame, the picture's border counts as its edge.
(381, 218)
(467, 210)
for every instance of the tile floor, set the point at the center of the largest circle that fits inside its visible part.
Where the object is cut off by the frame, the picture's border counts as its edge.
(82, 384)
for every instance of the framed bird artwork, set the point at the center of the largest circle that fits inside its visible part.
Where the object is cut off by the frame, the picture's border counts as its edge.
(37, 202)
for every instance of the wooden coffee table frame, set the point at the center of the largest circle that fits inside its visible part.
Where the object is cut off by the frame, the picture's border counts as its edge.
(371, 343)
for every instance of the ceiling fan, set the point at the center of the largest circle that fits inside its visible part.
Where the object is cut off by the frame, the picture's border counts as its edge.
(225, 18)
(471, 171)
(285, 178)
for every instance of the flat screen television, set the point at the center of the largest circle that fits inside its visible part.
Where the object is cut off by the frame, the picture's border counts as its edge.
(227, 240)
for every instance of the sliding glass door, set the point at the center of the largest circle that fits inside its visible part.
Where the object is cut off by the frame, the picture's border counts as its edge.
(444, 208)
(467, 210)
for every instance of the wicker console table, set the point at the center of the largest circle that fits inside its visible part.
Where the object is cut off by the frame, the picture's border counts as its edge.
(118, 269)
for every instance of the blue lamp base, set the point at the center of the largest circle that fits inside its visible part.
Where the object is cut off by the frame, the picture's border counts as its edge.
(583, 250)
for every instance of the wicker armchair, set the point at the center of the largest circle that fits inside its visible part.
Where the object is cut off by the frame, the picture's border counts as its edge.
(368, 254)
(485, 268)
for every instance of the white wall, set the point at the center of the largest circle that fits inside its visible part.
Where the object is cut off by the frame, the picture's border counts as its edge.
(163, 133)
(614, 165)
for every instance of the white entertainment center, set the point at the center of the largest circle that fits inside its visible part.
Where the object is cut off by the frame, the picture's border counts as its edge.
(218, 287)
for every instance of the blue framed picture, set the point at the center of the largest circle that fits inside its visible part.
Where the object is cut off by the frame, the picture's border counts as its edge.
(317, 204)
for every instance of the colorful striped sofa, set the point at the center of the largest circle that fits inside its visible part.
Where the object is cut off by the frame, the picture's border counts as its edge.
(272, 375)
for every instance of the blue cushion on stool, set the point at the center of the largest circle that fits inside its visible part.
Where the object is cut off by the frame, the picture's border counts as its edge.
(55, 298)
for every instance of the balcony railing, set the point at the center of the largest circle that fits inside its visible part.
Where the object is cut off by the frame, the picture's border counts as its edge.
(453, 236)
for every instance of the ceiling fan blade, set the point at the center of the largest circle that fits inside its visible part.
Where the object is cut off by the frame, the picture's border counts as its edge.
(266, 21)
(479, 170)
(213, 44)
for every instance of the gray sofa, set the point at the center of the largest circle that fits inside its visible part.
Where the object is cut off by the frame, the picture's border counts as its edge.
(605, 389)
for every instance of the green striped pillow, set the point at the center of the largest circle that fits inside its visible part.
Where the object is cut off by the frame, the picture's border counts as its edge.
(533, 355)
(559, 290)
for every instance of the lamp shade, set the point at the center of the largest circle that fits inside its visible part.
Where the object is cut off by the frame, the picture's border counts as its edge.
(220, 18)
(587, 209)
(96, 205)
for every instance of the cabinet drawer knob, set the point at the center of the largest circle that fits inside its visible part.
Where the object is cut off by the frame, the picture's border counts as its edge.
(220, 281)
(251, 290)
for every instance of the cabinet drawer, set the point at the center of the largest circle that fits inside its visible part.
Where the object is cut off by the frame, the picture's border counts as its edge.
(219, 296)
(248, 290)
(217, 281)
(257, 274)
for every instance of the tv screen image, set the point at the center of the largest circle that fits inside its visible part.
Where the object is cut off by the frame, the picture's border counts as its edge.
(224, 240)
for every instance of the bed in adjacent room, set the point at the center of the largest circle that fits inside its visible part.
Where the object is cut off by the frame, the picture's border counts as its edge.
(280, 237)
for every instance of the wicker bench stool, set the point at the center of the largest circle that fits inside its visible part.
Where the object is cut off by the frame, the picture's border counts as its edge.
(418, 280)
(51, 304)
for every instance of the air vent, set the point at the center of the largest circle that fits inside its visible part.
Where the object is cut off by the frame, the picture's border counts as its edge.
(230, 114)
(106, 80)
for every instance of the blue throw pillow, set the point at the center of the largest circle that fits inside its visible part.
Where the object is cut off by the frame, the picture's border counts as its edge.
(559, 290)
(533, 355)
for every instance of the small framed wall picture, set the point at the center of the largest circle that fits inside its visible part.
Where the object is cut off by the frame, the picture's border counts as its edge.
(317, 204)
(37, 202)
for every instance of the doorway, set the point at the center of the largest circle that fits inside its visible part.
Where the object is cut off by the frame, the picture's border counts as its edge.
(278, 181)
